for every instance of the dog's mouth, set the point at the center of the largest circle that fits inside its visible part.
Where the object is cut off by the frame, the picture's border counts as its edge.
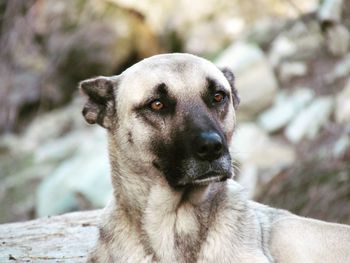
(210, 177)
(197, 173)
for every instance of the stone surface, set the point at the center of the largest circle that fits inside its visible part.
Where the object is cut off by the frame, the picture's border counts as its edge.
(341, 70)
(290, 70)
(285, 108)
(84, 175)
(341, 146)
(255, 79)
(75, 157)
(302, 41)
(60, 155)
(48, 127)
(309, 121)
(260, 156)
(265, 30)
(47, 47)
(330, 11)
(282, 47)
(342, 108)
(253, 145)
(338, 39)
(249, 179)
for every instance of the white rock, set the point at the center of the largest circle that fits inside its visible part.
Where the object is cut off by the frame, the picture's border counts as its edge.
(264, 30)
(341, 69)
(248, 178)
(341, 146)
(252, 145)
(59, 149)
(255, 79)
(199, 36)
(86, 174)
(342, 108)
(289, 70)
(53, 125)
(282, 47)
(330, 10)
(338, 40)
(260, 156)
(337, 35)
(286, 107)
(309, 121)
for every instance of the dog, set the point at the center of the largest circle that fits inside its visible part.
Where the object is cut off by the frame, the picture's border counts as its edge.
(170, 120)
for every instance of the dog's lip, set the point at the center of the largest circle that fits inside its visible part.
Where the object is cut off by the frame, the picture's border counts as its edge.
(209, 178)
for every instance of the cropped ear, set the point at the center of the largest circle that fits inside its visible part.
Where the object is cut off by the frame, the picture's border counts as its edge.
(231, 79)
(100, 105)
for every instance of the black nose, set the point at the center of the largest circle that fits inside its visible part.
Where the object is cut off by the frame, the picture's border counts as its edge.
(208, 146)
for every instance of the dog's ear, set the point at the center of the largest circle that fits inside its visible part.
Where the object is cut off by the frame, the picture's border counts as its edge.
(231, 79)
(100, 105)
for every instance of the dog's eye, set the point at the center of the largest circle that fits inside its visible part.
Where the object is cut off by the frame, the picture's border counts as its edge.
(156, 105)
(219, 97)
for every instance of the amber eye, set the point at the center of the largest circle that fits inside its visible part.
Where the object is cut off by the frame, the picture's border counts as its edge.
(157, 105)
(219, 97)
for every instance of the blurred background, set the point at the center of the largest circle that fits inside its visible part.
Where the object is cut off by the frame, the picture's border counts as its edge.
(291, 59)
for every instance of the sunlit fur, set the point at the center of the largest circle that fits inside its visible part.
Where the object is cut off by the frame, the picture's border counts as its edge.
(159, 213)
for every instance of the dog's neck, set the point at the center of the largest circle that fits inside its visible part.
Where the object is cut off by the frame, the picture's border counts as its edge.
(155, 210)
(138, 191)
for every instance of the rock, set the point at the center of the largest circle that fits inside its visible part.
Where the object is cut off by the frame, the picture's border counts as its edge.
(203, 32)
(65, 42)
(17, 182)
(310, 120)
(341, 146)
(255, 79)
(265, 30)
(341, 70)
(57, 150)
(338, 39)
(195, 27)
(330, 11)
(259, 155)
(191, 29)
(249, 179)
(289, 70)
(60, 155)
(47, 127)
(85, 175)
(282, 47)
(302, 41)
(342, 108)
(286, 107)
(253, 145)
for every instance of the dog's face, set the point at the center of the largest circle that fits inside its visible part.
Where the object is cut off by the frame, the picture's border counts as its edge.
(173, 113)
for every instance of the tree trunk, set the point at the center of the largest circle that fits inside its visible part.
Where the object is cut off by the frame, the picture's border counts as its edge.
(65, 238)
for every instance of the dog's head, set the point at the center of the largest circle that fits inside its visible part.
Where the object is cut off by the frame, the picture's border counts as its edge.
(174, 113)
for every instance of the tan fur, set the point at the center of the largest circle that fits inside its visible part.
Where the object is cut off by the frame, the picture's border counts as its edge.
(149, 221)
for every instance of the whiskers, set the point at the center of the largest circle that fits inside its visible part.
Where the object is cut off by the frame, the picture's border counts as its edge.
(236, 169)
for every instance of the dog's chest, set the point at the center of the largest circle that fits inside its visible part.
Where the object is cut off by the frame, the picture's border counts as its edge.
(174, 233)
(186, 233)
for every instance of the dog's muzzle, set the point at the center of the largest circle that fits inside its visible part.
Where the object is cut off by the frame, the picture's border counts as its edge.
(211, 161)
(194, 158)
